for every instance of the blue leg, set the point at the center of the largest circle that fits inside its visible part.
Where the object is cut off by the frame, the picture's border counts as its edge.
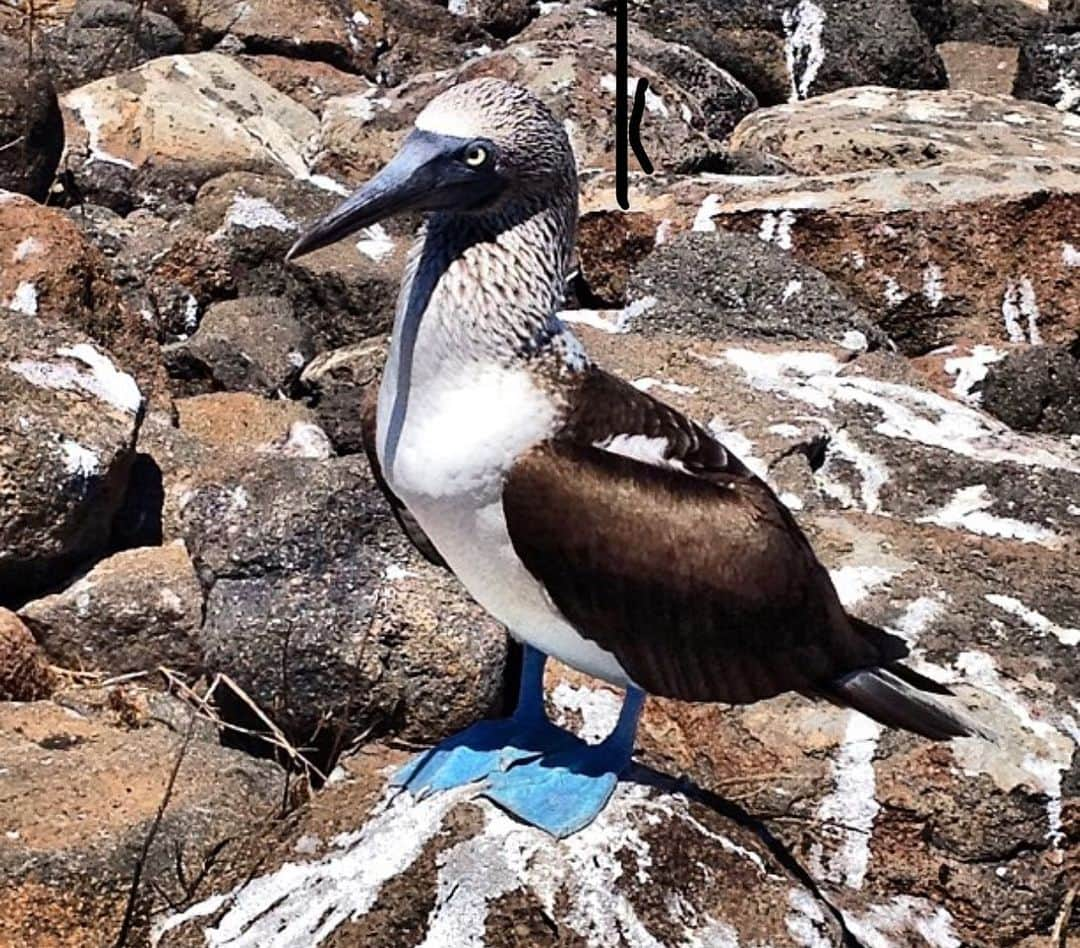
(563, 792)
(490, 746)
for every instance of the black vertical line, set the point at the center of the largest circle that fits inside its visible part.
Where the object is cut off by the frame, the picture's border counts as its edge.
(622, 69)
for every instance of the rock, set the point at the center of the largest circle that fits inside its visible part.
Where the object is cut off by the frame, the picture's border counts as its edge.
(134, 611)
(501, 18)
(52, 272)
(1049, 71)
(103, 37)
(609, 245)
(720, 285)
(68, 420)
(1035, 389)
(798, 48)
(721, 99)
(979, 67)
(857, 129)
(982, 251)
(251, 344)
(1065, 15)
(324, 30)
(175, 122)
(309, 83)
(417, 36)
(79, 797)
(606, 886)
(337, 381)
(996, 22)
(239, 420)
(319, 610)
(24, 673)
(31, 130)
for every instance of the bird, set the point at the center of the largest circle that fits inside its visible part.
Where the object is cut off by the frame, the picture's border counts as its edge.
(599, 524)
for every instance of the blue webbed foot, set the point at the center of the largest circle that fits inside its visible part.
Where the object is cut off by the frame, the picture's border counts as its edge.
(488, 747)
(563, 792)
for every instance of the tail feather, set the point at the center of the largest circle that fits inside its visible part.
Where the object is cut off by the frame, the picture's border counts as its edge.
(897, 697)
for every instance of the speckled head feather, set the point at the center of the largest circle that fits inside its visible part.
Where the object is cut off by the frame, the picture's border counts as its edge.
(534, 150)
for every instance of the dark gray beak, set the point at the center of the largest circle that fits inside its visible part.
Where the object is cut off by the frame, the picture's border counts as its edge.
(425, 175)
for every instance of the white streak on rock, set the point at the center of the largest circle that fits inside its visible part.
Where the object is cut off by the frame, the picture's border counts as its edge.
(1065, 635)
(25, 299)
(881, 925)
(776, 229)
(647, 383)
(254, 212)
(803, 48)
(854, 583)
(27, 247)
(82, 101)
(740, 445)
(618, 322)
(894, 293)
(793, 288)
(933, 285)
(307, 440)
(80, 461)
(970, 370)
(806, 922)
(1019, 304)
(968, 510)
(597, 707)
(703, 219)
(1070, 256)
(854, 341)
(376, 243)
(104, 381)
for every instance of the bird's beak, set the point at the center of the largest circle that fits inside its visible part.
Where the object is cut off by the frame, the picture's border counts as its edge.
(416, 179)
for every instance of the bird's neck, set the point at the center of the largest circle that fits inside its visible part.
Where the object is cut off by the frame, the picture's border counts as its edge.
(486, 288)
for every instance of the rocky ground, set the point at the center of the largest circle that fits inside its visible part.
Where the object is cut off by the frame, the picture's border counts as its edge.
(858, 262)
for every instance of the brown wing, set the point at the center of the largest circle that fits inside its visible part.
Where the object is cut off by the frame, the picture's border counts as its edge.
(407, 522)
(690, 571)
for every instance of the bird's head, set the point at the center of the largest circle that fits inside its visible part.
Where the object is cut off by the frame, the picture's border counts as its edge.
(474, 148)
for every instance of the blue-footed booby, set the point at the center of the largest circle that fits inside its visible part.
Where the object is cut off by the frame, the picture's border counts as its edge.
(599, 524)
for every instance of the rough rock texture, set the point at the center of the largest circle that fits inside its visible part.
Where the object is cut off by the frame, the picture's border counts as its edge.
(983, 250)
(417, 36)
(979, 67)
(318, 608)
(501, 18)
(610, 243)
(722, 285)
(873, 127)
(309, 83)
(68, 420)
(31, 129)
(174, 123)
(337, 381)
(330, 31)
(24, 673)
(998, 22)
(80, 794)
(798, 48)
(1049, 71)
(103, 37)
(1065, 15)
(1035, 389)
(134, 611)
(251, 344)
(52, 272)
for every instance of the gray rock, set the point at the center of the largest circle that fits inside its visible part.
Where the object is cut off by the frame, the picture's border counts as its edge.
(501, 18)
(68, 421)
(103, 37)
(252, 344)
(320, 611)
(799, 48)
(994, 22)
(1035, 389)
(31, 129)
(338, 381)
(134, 611)
(722, 285)
(1065, 15)
(1049, 71)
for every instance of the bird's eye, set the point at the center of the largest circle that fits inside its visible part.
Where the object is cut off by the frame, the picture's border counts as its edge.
(476, 156)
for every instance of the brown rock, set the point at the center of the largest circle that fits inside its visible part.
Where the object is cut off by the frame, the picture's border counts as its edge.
(416, 36)
(241, 422)
(977, 67)
(24, 673)
(873, 127)
(68, 420)
(308, 82)
(174, 123)
(134, 611)
(978, 251)
(79, 797)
